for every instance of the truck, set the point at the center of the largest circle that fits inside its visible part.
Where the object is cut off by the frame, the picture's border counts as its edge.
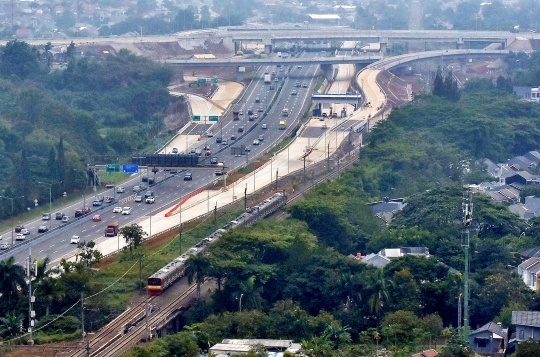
(282, 124)
(285, 112)
(112, 230)
(236, 115)
(267, 78)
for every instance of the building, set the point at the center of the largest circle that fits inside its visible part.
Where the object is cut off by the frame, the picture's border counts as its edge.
(490, 339)
(529, 209)
(527, 325)
(328, 19)
(531, 94)
(427, 353)
(276, 348)
(528, 271)
(385, 209)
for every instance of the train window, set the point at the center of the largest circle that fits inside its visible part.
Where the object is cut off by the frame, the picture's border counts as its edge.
(154, 281)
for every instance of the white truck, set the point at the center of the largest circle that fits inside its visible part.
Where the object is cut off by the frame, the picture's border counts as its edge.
(267, 78)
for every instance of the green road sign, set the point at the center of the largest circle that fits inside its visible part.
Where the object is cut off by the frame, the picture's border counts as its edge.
(196, 118)
(201, 80)
(112, 168)
(213, 118)
(214, 81)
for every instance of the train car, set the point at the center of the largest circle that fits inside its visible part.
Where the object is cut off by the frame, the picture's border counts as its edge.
(173, 271)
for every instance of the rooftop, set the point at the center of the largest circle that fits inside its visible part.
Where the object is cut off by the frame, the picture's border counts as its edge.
(526, 318)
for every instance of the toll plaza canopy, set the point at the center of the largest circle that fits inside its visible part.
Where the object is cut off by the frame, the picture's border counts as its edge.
(336, 98)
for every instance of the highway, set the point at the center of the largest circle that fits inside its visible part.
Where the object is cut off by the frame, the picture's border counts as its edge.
(168, 188)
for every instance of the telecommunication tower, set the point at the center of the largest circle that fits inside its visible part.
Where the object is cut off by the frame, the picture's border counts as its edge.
(467, 208)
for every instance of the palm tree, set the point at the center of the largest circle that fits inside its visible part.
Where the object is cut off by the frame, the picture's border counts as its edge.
(252, 291)
(378, 285)
(11, 280)
(11, 324)
(42, 271)
(197, 267)
(47, 290)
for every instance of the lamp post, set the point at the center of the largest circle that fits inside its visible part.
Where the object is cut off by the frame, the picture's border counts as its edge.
(12, 227)
(240, 303)
(50, 200)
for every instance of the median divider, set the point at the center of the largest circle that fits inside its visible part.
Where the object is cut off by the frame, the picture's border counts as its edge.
(182, 201)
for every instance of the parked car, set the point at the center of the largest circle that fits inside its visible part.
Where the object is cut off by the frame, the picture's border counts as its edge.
(96, 218)
(46, 217)
(43, 229)
(117, 210)
(126, 210)
(75, 240)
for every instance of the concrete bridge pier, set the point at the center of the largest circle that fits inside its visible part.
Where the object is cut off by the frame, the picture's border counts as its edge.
(328, 71)
(384, 44)
(237, 46)
(463, 65)
(240, 73)
(460, 44)
(268, 46)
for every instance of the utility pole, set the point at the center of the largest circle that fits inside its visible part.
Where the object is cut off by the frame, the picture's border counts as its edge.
(245, 198)
(82, 315)
(467, 207)
(277, 172)
(31, 313)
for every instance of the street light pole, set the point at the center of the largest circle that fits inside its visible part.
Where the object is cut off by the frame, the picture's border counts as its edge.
(50, 200)
(12, 225)
(240, 302)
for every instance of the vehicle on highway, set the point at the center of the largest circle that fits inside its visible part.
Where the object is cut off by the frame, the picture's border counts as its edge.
(208, 153)
(59, 216)
(214, 161)
(198, 152)
(25, 231)
(247, 148)
(46, 217)
(175, 150)
(173, 171)
(139, 188)
(96, 218)
(188, 176)
(219, 172)
(75, 240)
(4, 246)
(126, 210)
(150, 200)
(250, 111)
(111, 230)
(109, 200)
(299, 66)
(109, 185)
(206, 147)
(150, 182)
(257, 100)
(148, 194)
(241, 129)
(260, 109)
(219, 140)
(304, 85)
(43, 229)
(240, 112)
(282, 124)
(255, 116)
(256, 142)
(297, 84)
(224, 142)
(65, 219)
(82, 212)
(18, 229)
(144, 179)
(276, 79)
(120, 189)
(117, 210)
(293, 92)
(271, 87)
(96, 203)
(20, 236)
(138, 199)
(251, 118)
(261, 137)
(233, 137)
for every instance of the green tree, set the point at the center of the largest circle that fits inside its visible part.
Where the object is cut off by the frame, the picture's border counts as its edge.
(133, 234)
(399, 326)
(179, 344)
(439, 89)
(11, 324)
(197, 268)
(18, 58)
(528, 349)
(456, 347)
(433, 326)
(378, 285)
(11, 280)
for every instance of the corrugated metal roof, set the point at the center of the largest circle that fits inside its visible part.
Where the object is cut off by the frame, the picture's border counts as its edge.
(230, 347)
(266, 343)
(526, 318)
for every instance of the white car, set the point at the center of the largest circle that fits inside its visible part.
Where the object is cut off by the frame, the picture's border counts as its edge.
(4, 246)
(25, 231)
(75, 240)
(65, 219)
(117, 210)
(20, 236)
(256, 142)
(150, 200)
(120, 189)
(126, 210)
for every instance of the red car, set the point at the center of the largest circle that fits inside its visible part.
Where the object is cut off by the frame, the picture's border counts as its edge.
(96, 218)
(18, 229)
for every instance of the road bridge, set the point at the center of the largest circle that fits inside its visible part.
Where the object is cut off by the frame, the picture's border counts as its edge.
(245, 62)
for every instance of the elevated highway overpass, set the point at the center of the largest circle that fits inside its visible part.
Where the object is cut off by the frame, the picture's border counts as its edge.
(239, 62)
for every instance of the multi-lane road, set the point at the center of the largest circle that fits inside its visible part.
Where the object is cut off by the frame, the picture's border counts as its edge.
(168, 188)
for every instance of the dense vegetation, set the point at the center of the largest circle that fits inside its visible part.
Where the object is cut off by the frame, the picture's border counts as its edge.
(54, 122)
